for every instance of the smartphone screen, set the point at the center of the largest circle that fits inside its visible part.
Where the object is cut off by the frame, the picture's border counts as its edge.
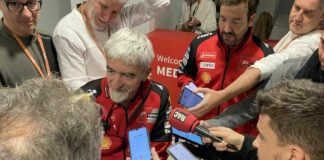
(187, 135)
(188, 98)
(179, 152)
(139, 144)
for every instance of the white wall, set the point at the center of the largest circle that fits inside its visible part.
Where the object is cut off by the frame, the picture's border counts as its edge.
(145, 27)
(52, 11)
(74, 3)
(268, 6)
(170, 19)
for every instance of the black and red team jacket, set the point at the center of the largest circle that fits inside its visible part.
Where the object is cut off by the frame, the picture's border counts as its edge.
(150, 108)
(209, 63)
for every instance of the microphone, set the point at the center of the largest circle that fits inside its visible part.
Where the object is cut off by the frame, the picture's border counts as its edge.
(183, 120)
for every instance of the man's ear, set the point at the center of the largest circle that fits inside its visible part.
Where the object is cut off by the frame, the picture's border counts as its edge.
(322, 22)
(297, 153)
(147, 73)
(251, 19)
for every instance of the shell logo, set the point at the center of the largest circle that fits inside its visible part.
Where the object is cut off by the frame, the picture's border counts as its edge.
(205, 77)
(106, 143)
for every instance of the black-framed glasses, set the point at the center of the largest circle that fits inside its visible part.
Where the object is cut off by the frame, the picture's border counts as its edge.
(15, 6)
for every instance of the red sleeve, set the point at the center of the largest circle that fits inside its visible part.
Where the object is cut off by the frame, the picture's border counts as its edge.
(183, 80)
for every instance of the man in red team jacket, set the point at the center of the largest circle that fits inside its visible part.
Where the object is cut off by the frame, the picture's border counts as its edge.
(129, 99)
(214, 60)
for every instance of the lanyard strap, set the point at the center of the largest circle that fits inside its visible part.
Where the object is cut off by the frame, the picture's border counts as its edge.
(286, 45)
(29, 55)
(194, 11)
(90, 30)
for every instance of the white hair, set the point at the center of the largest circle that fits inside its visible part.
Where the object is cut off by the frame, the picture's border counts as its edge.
(131, 47)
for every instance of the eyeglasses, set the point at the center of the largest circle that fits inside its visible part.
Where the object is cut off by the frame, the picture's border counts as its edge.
(15, 7)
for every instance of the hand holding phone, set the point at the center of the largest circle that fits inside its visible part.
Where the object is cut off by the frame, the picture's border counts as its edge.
(188, 98)
(139, 144)
(188, 136)
(179, 152)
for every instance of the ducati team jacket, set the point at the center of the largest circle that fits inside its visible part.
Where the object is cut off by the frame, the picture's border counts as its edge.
(150, 108)
(209, 63)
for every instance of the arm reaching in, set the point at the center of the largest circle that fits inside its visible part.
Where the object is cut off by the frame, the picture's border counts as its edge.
(243, 143)
(214, 98)
(228, 135)
(155, 155)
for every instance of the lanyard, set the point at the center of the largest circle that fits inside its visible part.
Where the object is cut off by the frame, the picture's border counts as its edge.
(90, 30)
(32, 58)
(317, 28)
(194, 11)
(287, 43)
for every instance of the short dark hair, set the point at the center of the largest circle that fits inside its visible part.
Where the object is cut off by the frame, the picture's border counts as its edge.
(42, 119)
(252, 4)
(296, 111)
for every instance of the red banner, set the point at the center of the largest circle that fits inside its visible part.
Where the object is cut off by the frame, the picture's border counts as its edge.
(169, 47)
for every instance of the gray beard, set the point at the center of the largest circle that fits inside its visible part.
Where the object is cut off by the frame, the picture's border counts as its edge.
(118, 96)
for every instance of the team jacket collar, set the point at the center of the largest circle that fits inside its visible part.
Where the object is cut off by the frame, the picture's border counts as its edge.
(142, 90)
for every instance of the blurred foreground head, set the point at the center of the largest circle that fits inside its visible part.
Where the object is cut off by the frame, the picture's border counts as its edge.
(40, 120)
(291, 121)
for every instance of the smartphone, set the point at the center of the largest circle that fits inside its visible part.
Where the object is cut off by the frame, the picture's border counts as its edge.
(139, 144)
(179, 152)
(188, 136)
(188, 98)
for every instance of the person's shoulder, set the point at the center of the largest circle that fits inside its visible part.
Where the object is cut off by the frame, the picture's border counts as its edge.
(206, 35)
(70, 26)
(93, 87)
(298, 59)
(266, 48)
(290, 68)
(45, 36)
(158, 87)
(314, 33)
(69, 20)
(203, 37)
(311, 40)
(310, 37)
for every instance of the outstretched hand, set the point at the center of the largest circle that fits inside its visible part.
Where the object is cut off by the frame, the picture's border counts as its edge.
(211, 100)
(229, 136)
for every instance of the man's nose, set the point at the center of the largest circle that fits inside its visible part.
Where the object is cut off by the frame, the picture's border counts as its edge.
(227, 27)
(256, 142)
(116, 81)
(26, 12)
(299, 16)
(107, 15)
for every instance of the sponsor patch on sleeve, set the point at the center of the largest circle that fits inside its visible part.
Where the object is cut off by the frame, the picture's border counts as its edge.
(207, 65)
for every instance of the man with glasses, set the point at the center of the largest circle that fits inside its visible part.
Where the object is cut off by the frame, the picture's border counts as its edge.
(24, 53)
